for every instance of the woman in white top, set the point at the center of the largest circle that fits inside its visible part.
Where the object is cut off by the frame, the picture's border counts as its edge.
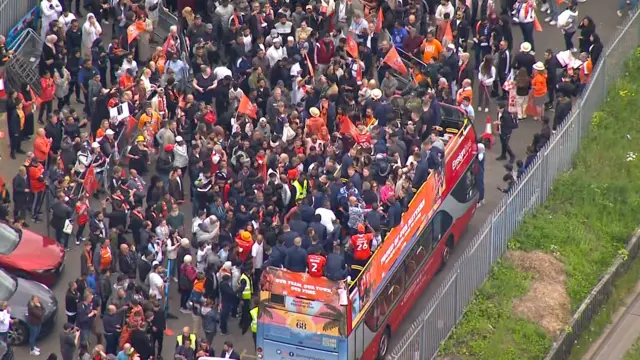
(91, 30)
(65, 19)
(486, 75)
(5, 321)
(172, 255)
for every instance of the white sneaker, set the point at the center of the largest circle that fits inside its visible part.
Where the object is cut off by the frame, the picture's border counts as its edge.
(486, 109)
(619, 13)
(582, 1)
(548, 18)
(552, 22)
(479, 108)
(34, 353)
(544, 7)
(37, 349)
(574, 50)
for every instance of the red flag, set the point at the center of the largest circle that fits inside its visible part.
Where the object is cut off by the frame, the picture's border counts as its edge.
(393, 59)
(346, 126)
(90, 181)
(132, 123)
(358, 71)
(311, 72)
(134, 30)
(379, 21)
(351, 47)
(247, 107)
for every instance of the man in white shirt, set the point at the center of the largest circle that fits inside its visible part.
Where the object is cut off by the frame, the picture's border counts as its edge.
(156, 283)
(65, 19)
(327, 217)
(276, 52)
(221, 71)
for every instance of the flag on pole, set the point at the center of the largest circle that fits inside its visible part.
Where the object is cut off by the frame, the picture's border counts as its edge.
(311, 72)
(247, 107)
(346, 126)
(395, 62)
(134, 30)
(536, 24)
(90, 181)
(379, 21)
(351, 47)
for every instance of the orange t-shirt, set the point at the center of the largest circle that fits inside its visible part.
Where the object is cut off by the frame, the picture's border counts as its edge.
(539, 84)
(41, 147)
(585, 72)
(198, 285)
(314, 125)
(154, 120)
(432, 48)
(462, 93)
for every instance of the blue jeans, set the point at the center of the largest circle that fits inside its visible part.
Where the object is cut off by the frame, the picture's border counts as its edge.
(553, 6)
(527, 33)
(34, 330)
(62, 238)
(623, 4)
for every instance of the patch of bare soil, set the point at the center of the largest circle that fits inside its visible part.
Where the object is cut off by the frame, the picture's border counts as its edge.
(547, 302)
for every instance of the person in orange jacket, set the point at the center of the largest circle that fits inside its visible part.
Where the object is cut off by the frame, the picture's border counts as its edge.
(41, 146)
(38, 187)
(539, 89)
(46, 96)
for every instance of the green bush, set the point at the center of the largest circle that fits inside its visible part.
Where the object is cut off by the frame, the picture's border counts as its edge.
(587, 219)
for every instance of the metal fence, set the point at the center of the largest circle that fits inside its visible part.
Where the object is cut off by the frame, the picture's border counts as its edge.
(449, 302)
(22, 67)
(11, 11)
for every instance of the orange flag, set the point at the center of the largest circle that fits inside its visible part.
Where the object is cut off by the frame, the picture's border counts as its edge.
(134, 30)
(311, 72)
(448, 34)
(90, 181)
(536, 24)
(247, 107)
(393, 59)
(379, 21)
(351, 47)
(358, 72)
(346, 126)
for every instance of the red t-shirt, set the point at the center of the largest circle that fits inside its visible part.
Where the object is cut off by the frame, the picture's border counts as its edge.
(316, 263)
(82, 210)
(361, 244)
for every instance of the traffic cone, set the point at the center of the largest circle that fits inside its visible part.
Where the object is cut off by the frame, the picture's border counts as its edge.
(487, 136)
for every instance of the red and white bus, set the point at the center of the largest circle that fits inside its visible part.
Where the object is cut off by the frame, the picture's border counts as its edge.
(395, 276)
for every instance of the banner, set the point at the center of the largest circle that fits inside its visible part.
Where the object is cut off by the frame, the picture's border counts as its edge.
(247, 107)
(90, 181)
(134, 30)
(302, 285)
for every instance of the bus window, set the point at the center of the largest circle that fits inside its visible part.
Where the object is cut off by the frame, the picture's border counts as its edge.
(377, 314)
(466, 188)
(417, 256)
(441, 223)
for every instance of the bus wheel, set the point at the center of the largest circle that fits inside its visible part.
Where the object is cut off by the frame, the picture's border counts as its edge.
(446, 253)
(383, 345)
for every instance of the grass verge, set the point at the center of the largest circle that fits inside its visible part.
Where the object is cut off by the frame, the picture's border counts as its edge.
(634, 352)
(621, 289)
(587, 219)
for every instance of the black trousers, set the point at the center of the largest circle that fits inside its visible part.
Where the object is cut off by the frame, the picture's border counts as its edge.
(15, 142)
(157, 337)
(506, 148)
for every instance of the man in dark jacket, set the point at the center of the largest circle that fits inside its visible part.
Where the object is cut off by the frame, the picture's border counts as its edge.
(228, 299)
(296, 259)
(563, 108)
(85, 316)
(127, 262)
(21, 191)
(60, 214)
(507, 125)
(336, 268)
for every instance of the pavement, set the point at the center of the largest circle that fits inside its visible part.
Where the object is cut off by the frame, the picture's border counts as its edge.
(621, 334)
(606, 21)
(607, 24)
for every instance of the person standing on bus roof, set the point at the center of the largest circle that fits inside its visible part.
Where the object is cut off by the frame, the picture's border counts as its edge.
(316, 262)
(336, 268)
(296, 259)
(361, 245)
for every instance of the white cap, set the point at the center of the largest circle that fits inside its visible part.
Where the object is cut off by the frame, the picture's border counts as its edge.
(187, 259)
(95, 145)
(262, 119)
(109, 132)
(179, 138)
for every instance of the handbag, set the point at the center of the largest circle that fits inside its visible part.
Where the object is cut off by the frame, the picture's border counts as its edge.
(68, 227)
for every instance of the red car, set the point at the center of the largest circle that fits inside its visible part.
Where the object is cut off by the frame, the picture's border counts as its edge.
(29, 255)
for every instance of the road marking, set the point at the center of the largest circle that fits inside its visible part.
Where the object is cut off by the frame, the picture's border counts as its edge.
(244, 355)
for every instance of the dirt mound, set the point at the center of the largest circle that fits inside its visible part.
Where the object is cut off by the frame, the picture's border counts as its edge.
(547, 302)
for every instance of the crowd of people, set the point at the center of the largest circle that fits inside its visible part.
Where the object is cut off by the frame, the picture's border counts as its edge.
(293, 134)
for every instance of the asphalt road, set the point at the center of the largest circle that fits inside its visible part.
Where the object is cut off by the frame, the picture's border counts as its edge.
(606, 19)
(607, 24)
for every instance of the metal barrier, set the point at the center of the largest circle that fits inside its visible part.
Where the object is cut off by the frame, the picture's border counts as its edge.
(165, 21)
(22, 67)
(11, 11)
(449, 302)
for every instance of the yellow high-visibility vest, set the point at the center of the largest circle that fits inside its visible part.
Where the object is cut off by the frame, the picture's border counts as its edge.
(301, 189)
(254, 319)
(247, 292)
(192, 337)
